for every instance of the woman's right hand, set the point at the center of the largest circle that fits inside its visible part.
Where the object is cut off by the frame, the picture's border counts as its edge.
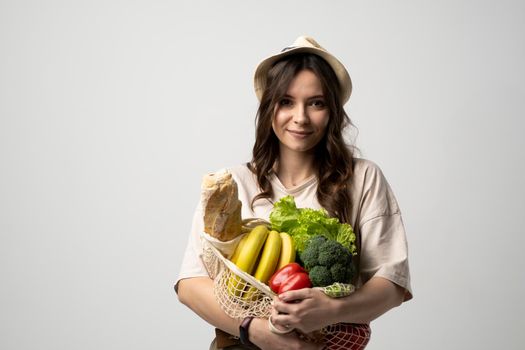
(261, 336)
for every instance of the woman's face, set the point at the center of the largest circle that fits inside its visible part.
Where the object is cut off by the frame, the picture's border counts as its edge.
(301, 116)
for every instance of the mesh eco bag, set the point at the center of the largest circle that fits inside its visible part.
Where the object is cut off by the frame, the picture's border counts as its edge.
(342, 336)
(231, 285)
(216, 253)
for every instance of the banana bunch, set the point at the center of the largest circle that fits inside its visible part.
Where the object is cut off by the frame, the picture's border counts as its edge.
(260, 253)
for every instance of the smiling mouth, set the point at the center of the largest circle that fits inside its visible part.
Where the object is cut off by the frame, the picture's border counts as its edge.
(300, 133)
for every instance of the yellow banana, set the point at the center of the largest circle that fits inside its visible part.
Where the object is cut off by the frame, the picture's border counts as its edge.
(267, 263)
(248, 257)
(238, 249)
(287, 251)
(269, 257)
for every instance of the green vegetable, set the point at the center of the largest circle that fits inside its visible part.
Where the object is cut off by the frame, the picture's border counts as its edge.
(320, 276)
(327, 261)
(340, 273)
(332, 252)
(338, 290)
(304, 223)
(310, 257)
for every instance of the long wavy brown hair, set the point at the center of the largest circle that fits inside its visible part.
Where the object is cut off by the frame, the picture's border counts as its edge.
(333, 157)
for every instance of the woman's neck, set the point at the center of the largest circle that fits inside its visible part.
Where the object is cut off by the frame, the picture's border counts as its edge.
(293, 168)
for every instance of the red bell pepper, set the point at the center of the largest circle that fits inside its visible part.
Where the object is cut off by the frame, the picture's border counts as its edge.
(298, 280)
(289, 277)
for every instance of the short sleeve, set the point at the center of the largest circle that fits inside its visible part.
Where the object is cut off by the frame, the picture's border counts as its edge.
(192, 265)
(385, 251)
(384, 247)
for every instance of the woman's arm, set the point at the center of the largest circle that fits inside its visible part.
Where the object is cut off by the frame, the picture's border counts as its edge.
(197, 294)
(310, 309)
(376, 297)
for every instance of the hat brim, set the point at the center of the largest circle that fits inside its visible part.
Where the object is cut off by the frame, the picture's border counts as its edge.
(339, 69)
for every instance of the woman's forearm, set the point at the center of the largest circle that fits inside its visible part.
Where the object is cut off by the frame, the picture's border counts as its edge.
(309, 309)
(373, 299)
(197, 294)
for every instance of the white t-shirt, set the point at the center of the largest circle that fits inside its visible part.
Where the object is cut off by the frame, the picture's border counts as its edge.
(375, 215)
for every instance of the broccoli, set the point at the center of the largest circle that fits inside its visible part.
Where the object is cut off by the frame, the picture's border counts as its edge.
(310, 256)
(339, 272)
(327, 261)
(333, 252)
(320, 276)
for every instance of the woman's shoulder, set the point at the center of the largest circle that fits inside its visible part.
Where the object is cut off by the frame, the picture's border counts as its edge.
(368, 176)
(240, 171)
(372, 189)
(242, 175)
(365, 168)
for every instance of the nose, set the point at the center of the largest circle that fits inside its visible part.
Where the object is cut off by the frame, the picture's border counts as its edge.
(300, 115)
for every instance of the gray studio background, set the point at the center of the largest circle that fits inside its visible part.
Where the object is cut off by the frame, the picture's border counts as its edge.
(111, 112)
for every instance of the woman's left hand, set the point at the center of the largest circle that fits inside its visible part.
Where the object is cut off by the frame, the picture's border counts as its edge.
(306, 310)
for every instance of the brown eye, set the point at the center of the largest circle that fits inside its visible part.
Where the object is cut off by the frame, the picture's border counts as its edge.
(318, 103)
(285, 102)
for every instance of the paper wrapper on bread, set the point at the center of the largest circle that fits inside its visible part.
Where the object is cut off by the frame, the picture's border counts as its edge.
(221, 206)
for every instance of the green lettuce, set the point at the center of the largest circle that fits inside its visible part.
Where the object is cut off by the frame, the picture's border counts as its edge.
(302, 223)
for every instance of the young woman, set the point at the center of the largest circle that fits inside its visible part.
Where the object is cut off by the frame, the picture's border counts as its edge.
(300, 151)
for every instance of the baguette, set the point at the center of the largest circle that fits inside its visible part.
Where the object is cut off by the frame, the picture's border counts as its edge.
(221, 206)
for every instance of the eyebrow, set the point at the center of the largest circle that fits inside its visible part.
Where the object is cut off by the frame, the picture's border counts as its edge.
(309, 98)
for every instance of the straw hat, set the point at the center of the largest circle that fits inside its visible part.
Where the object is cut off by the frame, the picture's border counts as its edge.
(309, 45)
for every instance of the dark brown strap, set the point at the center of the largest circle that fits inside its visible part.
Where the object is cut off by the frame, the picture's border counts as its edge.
(224, 339)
